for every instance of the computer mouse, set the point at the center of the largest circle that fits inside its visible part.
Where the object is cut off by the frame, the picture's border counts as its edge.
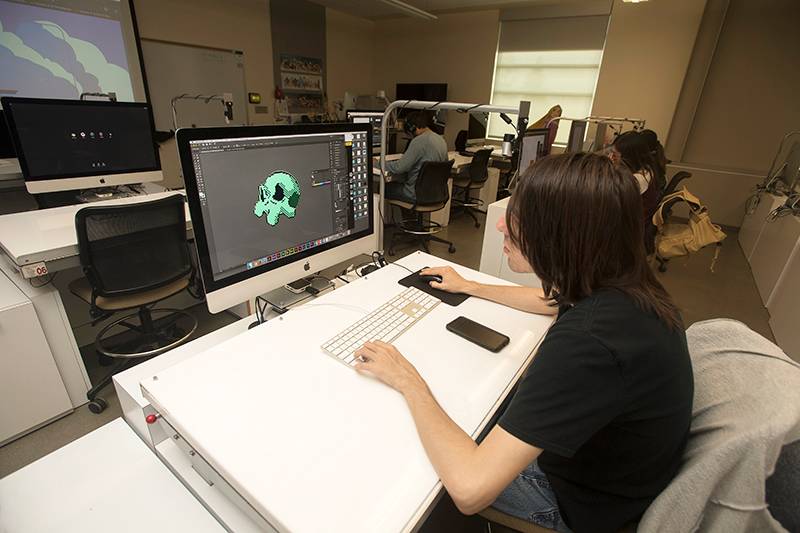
(427, 278)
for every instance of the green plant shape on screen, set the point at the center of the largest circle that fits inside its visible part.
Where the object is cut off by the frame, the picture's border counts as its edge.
(278, 195)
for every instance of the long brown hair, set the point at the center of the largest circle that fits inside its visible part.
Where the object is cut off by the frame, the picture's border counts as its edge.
(577, 219)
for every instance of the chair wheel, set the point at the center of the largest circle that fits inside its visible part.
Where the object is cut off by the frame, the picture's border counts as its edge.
(662, 268)
(452, 249)
(477, 224)
(97, 406)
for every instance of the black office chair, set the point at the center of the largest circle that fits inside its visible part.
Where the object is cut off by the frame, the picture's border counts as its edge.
(472, 180)
(432, 195)
(133, 256)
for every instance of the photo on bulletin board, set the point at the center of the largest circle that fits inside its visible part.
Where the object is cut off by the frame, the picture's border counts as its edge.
(300, 64)
(304, 104)
(301, 82)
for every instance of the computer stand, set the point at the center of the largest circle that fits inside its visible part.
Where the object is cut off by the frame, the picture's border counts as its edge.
(64, 198)
(282, 299)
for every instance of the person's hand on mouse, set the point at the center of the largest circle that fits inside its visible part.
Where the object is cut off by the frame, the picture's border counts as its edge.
(451, 280)
(386, 363)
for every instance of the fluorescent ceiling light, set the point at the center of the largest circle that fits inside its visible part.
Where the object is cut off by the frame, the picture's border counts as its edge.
(633, 1)
(410, 10)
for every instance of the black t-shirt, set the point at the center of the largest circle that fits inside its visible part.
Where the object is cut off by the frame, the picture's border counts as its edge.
(608, 398)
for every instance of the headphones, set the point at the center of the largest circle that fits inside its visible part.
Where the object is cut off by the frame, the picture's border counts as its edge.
(409, 126)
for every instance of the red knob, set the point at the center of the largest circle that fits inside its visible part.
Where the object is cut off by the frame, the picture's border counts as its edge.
(151, 419)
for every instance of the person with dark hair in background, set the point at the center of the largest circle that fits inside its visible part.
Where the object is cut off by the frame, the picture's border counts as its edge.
(632, 150)
(426, 145)
(657, 153)
(598, 424)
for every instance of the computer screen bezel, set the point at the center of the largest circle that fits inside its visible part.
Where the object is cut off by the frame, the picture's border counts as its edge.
(78, 180)
(185, 136)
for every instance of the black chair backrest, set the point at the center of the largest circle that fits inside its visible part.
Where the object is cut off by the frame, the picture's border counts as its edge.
(461, 141)
(675, 181)
(130, 248)
(479, 167)
(431, 185)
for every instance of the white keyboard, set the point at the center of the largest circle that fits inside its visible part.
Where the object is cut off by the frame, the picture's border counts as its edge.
(385, 324)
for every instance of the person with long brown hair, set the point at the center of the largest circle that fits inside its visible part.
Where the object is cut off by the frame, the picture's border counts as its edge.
(599, 422)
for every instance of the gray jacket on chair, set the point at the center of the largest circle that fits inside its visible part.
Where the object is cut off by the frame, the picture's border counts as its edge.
(746, 409)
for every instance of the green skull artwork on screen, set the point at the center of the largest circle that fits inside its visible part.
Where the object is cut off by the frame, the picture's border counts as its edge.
(278, 195)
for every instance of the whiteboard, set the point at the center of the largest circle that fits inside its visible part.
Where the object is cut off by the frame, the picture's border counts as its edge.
(174, 68)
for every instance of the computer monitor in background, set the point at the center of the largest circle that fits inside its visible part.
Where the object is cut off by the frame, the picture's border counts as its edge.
(577, 133)
(271, 204)
(65, 145)
(64, 48)
(534, 144)
(373, 118)
(6, 146)
(476, 128)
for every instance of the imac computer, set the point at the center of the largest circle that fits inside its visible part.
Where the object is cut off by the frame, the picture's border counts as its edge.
(271, 204)
(476, 129)
(373, 118)
(534, 145)
(577, 133)
(64, 145)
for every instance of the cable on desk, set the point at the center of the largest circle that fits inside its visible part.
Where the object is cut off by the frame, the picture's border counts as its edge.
(260, 310)
(402, 266)
(49, 280)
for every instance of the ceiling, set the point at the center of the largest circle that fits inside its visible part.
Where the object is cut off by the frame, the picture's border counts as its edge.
(374, 9)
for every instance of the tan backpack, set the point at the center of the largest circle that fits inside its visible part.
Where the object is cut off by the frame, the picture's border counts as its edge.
(674, 239)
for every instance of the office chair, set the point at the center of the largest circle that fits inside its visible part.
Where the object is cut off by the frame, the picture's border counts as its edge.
(473, 180)
(133, 256)
(432, 195)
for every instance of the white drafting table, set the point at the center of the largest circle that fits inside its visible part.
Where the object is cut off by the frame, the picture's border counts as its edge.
(459, 161)
(105, 481)
(313, 446)
(48, 235)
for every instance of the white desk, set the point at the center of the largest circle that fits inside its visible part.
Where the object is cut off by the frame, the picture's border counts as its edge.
(783, 306)
(48, 235)
(105, 481)
(311, 445)
(772, 251)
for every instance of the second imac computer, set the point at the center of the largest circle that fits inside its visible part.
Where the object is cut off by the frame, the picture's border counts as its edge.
(65, 145)
(271, 204)
(373, 118)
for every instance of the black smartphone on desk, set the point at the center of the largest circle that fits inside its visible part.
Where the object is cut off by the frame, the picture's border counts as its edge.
(478, 333)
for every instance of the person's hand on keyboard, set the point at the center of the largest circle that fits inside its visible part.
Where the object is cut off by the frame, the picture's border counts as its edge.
(386, 363)
(451, 280)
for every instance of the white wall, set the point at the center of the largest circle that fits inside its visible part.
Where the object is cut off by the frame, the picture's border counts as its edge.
(647, 52)
(458, 49)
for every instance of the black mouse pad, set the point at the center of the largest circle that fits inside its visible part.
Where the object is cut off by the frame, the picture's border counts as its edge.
(447, 297)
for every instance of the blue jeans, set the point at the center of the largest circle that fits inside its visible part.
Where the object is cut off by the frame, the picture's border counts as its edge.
(530, 498)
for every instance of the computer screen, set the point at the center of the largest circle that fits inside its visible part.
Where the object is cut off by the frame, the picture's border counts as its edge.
(63, 48)
(533, 147)
(267, 197)
(432, 92)
(73, 144)
(476, 127)
(373, 118)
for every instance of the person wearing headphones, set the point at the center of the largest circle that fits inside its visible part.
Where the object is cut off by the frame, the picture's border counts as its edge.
(426, 145)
